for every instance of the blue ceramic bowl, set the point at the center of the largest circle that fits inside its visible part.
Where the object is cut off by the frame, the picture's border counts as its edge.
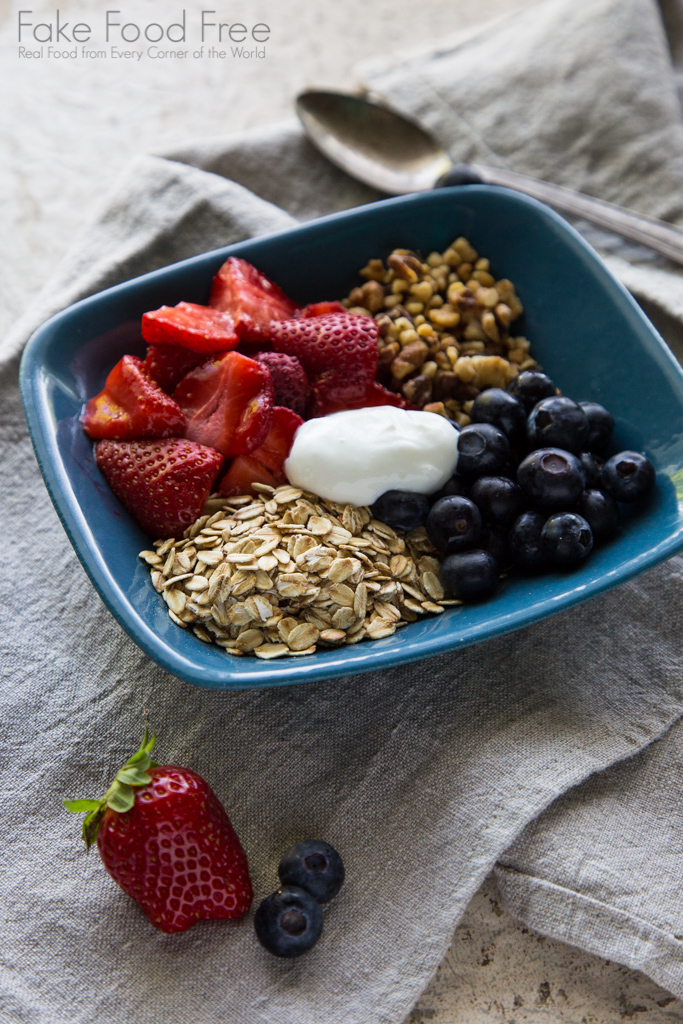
(585, 329)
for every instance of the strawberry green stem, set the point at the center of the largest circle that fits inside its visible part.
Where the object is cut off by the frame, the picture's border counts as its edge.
(120, 796)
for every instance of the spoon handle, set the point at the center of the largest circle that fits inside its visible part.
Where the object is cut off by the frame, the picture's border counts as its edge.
(649, 231)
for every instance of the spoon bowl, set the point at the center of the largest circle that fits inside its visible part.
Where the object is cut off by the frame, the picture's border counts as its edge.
(372, 143)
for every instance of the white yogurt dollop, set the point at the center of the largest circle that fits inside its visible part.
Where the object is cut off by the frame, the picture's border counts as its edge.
(356, 455)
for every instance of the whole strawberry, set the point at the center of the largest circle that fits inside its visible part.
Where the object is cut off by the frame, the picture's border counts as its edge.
(166, 840)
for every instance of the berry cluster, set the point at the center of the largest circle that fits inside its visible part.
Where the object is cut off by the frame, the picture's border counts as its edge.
(221, 393)
(167, 841)
(532, 491)
(290, 921)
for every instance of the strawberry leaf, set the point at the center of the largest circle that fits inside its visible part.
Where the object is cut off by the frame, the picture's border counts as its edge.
(133, 777)
(120, 797)
(77, 806)
(141, 760)
(91, 823)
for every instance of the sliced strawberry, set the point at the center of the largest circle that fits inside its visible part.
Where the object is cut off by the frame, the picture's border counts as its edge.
(265, 465)
(227, 403)
(278, 443)
(322, 308)
(336, 342)
(131, 405)
(243, 473)
(163, 484)
(338, 351)
(199, 328)
(376, 394)
(289, 380)
(168, 364)
(251, 299)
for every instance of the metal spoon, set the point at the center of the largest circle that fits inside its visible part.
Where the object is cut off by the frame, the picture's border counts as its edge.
(384, 149)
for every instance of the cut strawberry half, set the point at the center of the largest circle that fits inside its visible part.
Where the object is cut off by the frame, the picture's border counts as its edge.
(163, 484)
(265, 465)
(199, 328)
(168, 364)
(322, 308)
(251, 299)
(131, 405)
(338, 351)
(376, 394)
(277, 445)
(244, 472)
(227, 403)
(340, 343)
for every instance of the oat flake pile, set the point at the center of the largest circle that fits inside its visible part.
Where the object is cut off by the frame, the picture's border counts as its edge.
(287, 571)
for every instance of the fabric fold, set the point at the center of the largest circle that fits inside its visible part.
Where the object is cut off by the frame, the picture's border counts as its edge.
(620, 892)
(159, 212)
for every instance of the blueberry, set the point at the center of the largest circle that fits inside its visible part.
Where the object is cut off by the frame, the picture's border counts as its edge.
(530, 387)
(501, 409)
(456, 485)
(552, 478)
(525, 542)
(628, 476)
(592, 467)
(453, 524)
(557, 422)
(472, 576)
(313, 865)
(288, 922)
(402, 510)
(566, 539)
(499, 499)
(482, 450)
(600, 512)
(600, 426)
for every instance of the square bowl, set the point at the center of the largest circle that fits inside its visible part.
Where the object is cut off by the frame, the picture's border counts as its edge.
(584, 328)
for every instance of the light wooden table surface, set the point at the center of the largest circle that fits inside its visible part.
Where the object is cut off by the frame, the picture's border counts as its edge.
(72, 127)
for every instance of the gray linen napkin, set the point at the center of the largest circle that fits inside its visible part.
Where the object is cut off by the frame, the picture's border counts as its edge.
(423, 777)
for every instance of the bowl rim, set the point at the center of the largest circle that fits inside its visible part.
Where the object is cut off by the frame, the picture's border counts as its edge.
(361, 657)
